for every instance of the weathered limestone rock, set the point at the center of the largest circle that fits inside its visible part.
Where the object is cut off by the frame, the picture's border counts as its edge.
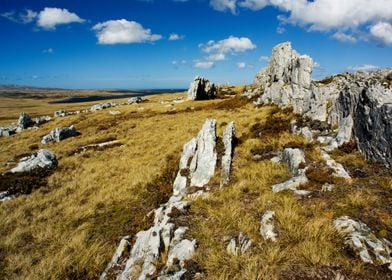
(239, 245)
(102, 106)
(8, 131)
(361, 239)
(118, 257)
(338, 169)
(200, 89)
(41, 120)
(228, 141)
(42, 159)
(292, 184)
(135, 100)
(25, 121)
(267, 228)
(203, 163)
(294, 158)
(60, 133)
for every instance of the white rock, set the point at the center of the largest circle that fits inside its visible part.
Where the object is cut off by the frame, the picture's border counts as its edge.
(293, 158)
(228, 141)
(239, 245)
(201, 88)
(267, 228)
(338, 169)
(41, 159)
(291, 184)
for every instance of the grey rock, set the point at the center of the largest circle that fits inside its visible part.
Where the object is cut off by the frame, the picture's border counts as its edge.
(61, 113)
(239, 245)
(60, 133)
(8, 131)
(135, 100)
(338, 169)
(291, 184)
(102, 106)
(25, 121)
(203, 163)
(118, 258)
(267, 228)
(363, 241)
(327, 187)
(42, 120)
(293, 158)
(201, 89)
(228, 142)
(42, 159)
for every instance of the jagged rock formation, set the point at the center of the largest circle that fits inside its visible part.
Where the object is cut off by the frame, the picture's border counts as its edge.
(239, 245)
(25, 121)
(267, 228)
(60, 133)
(359, 104)
(361, 239)
(228, 142)
(201, 88)
(166, 236)
(42, 159)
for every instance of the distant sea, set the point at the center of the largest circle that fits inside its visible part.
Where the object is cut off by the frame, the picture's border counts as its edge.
(118, 95)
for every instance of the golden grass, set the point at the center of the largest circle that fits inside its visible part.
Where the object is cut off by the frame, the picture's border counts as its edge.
(70, 228)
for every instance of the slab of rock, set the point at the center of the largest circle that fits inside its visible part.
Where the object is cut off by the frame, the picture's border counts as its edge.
(363, 241)
(60, 133)
(42, 159)
(228, 142)
(202, 166)
(201, 89)
(25, 121)
(294, 158)
(239, 245)
(338, 169)
(267, 228)
(291, 184)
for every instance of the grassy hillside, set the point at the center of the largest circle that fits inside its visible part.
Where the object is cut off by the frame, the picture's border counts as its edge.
(70, 227)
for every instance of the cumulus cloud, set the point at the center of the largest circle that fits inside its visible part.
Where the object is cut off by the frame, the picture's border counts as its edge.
(175, 37)
(241, 65)
(203, 64)
(229, 45)
(382, 32)
(123, 31)
(365, 67)
(344, 18)
(49, 18)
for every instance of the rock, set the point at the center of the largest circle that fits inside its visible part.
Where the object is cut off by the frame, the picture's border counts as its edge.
(239, 245)
(389, 76)
(267, 228)
(102, 106)
(338, 169)
(61, 113)
(25, 121)
(291, 184)
(118, 257)
(228, 142)
(201, 89)
(41, 120)
(327, 187)
(203, 163)
(60, 133)
(8, 131)
(182, 251)
(135, 100)
(42, 159)
(294, 158)
(363, 241)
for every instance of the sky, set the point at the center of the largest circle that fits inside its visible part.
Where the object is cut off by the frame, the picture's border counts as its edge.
(140, 44)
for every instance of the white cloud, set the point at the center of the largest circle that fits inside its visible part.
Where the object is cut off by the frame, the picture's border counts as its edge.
(241, 65)
(343, 37)
(49, 51)
(382, 32)
(49, 18)
(203, 64)
(216, 57)
(365, 67)
(24, 17)
(254, 4)
(224, 5)
(175, 37)
(264, 58)
(229, 45)
(280, 30)
(123, 31)
(29, 16)
(178, 62)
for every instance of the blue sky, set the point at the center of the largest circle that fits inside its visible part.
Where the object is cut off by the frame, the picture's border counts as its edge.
(165, 43)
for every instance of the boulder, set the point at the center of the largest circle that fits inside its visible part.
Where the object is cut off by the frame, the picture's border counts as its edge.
(61, 113)
(201, 89)
(267, 228)
(291, 184)
(60, 133)
(362, 240)
(294, 158)
(8, 131)
(42, 120)
(135, 100)
(42, 159)
(25, 121)
(102, 106)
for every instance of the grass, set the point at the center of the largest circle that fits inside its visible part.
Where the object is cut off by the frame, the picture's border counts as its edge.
(70, 227)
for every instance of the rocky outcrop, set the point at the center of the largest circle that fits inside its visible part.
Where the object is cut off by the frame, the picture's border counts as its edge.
(166, 237)
(201, 89)
(25, 121)
(362, 240)
(42, 159)
(60, 133)
(228, 142)
(359, 104)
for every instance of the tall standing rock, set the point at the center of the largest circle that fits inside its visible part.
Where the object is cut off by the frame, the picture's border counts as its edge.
(25, 121)
(228, 142)
(201, 89)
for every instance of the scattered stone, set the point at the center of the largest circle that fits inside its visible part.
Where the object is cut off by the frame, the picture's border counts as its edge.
(294, 158)
(42, 159)
(61, 113)
(291, 184)
(267, 228)
(102, 106)
(338, 169)
(60, 133)
(327, 187)
(41, 120)
(8, 131)
(239, 245)
(363, 241)
(135, 100)
(228, 141)
(201, 89)
(25, 121)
